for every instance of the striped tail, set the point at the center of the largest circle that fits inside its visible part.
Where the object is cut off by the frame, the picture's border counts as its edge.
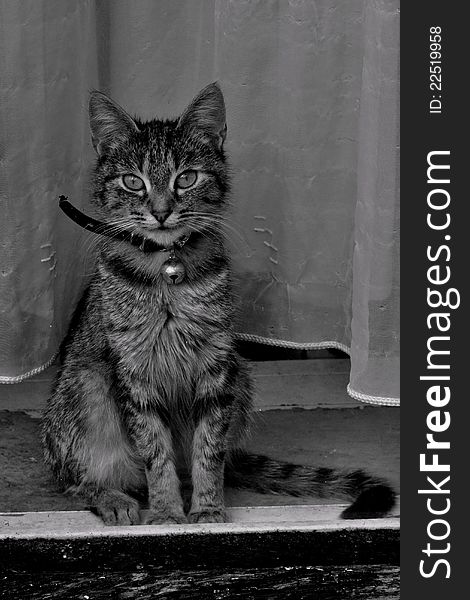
(372, 497)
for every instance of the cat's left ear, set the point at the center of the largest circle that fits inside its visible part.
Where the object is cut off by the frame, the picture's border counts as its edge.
(207, 113)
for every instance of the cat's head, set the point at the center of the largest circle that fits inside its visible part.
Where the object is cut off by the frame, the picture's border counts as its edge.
(161, 178)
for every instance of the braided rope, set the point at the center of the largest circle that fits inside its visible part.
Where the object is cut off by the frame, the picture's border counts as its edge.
(19, 378)
(366, 398)
(378, 400)
(249, 337)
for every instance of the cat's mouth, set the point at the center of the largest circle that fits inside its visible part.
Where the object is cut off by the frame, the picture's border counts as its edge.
(163, 234)
(160, 227)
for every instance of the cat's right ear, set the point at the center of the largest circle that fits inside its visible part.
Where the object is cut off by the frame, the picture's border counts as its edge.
(110, 125)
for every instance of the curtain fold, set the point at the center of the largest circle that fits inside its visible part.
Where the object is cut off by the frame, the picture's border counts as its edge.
(47, 65)
(311, 93)
(375, 301)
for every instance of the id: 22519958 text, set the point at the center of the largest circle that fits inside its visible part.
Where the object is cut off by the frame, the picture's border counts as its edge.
(435, 70)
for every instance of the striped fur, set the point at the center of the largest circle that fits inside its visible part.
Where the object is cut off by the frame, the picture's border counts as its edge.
(151, 385)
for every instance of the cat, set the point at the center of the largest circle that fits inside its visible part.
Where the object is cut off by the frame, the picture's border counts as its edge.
(151, 385)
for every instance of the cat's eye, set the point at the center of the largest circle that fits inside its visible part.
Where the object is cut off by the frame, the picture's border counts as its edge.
(133, 183)
(186, 179)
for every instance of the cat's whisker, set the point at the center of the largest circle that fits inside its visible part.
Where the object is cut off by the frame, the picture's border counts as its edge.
(206, 232)
(205, 226)
(220, 219)
(216, 231)
(207, 219)
(209, 225)
(91, 242)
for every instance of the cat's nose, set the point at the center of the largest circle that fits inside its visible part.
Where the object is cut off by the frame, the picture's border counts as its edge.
(161, 215)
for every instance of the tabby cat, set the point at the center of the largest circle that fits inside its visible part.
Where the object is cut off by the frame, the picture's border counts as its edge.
(151, 385)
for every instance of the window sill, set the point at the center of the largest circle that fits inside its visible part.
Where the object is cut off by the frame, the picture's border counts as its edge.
(255, 536)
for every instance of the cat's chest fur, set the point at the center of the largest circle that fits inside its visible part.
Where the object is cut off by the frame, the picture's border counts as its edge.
(168, 334)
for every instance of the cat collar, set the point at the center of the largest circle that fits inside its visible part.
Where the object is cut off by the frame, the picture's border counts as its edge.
(136, 239)
(173, 271)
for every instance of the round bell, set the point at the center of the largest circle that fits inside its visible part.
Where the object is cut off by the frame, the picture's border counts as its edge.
(173, 271)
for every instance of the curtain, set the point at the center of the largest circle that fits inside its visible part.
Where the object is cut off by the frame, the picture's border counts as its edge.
(311, 90)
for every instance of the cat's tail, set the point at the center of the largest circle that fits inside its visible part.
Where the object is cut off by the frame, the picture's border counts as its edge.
(372, 497)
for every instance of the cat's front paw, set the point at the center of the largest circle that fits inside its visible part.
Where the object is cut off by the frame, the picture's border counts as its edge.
(165, 517)
(117, 508)
(207, 515)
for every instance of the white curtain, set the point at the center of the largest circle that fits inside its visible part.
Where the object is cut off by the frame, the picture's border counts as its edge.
(311, 89)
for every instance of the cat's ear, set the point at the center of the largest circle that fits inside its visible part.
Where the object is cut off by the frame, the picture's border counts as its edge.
(207, 113)
(110, 125)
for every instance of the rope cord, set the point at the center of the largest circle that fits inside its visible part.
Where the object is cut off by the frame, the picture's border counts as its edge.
(250, 337)
(32, 373)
